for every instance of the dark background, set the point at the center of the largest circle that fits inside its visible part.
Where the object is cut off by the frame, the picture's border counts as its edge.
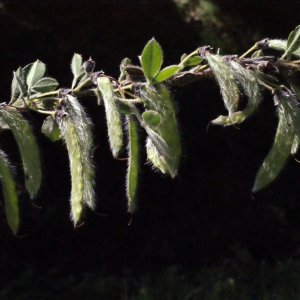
(199, 218)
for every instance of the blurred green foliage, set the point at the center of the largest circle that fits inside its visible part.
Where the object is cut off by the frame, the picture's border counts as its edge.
(241, 278)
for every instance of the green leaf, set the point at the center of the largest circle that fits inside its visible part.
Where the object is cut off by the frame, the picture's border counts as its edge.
(277, 44)
(10, 194)
(163, 145)
(257, 53)
(226, 81)
(166, 73)
(114, 125)
(35, 73)
(45, 85)
(151, 118)
(123, 108)
(183, 56)
(15, 89)
(293, 42)
(292, 79)
(151, 59)
(288, 127)
(27, 145)
(132, 172)
(21, 85)
(76, 64)
(124, 62)
(77, 68)
(193, 61)
(51, 129)
(82, 127)
(70, 136)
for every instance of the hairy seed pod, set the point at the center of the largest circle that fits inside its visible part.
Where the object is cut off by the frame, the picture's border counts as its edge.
(165, 136)
(250, 86)
(10, 193)
(132, 172)
(157, 159)
(288, 127)
(113, 120)
(82, 126)
(226, 81)
(27, 145)
(70, 137)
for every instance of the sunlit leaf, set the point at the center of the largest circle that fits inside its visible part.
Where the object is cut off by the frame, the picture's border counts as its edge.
(277, 44)
(114, 125)
(20, 84)
(293, 42)
(166, 73)
(151, 59)
(10, 194)
(132, 172)
(193, 61)
(15, 89)
(35, 73)
(77, 68)
(45, 85)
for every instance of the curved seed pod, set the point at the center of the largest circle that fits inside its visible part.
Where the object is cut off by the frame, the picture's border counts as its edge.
(289, 121)
(10, 194)
(227, 83)
(250, 86)
(27, 145)
(70, 136)
(114, 125)
(164, 137)
(237, 117)
(132, 172)
(82, 126)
